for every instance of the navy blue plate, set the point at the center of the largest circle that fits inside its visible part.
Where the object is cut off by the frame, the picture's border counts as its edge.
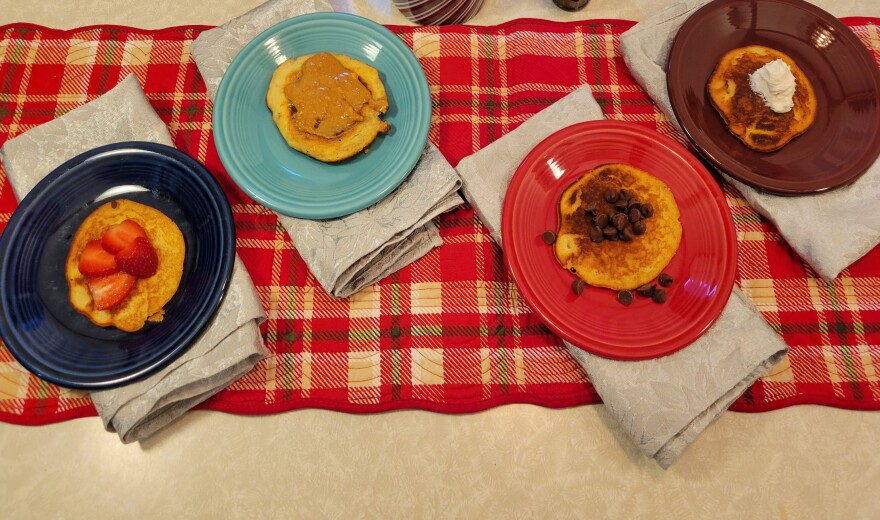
(37, 323)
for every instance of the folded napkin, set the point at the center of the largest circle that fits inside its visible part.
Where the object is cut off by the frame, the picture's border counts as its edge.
(662, 404)
(229, 347)
(811, 224)
(350, 253)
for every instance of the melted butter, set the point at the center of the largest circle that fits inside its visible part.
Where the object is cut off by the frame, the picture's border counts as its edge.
(328, 98)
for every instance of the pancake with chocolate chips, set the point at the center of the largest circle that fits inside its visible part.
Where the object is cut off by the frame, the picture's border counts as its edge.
(328, 106)
(744, 111)
(618, 227)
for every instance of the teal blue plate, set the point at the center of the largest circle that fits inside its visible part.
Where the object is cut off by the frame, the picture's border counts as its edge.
(262, 164)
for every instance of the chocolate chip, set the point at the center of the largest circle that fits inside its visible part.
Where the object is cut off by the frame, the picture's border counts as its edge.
(602, 220)
(572, 269)
(635, 215)
(609, 231)
(596, 235)
(626, 235)
(625, 194)
(633, 203)
(664, 279)
(619, 220)
(640, 227)
(659, 295)
(647, 210)
(578, 286)
(548, 237)
(610, 195)
(591, 207)
(625, 297)
(620, 205)
(646, 290)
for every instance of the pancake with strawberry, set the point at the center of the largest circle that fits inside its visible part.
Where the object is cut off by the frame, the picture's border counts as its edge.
(125, 263)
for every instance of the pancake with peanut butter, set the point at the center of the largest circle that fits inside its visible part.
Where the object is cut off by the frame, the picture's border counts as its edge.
(618, 227)
(148, 296)
(745, 112)
(328, 106)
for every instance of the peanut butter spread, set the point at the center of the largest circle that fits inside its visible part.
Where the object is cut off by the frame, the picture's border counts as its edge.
(326, 98)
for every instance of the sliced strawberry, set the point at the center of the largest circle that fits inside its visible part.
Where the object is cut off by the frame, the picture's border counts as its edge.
(95, 261)
(108, 291)
(139, 259)
(122, 235)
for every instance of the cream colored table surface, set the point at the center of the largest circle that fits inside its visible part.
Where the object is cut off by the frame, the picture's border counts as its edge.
(515, 461)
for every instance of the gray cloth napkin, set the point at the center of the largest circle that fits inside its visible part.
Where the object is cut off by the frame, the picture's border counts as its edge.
(811, 224)
(352, 252)
(229, 347)
(662, 404)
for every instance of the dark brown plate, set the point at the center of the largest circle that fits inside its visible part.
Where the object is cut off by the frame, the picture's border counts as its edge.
(844, 139)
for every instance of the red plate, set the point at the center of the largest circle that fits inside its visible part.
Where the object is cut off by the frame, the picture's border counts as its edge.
(703, 268)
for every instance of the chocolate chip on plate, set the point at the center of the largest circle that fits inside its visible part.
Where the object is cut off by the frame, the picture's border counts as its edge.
(646, 290)
(625, 194)
(596, 234)
(647, 210)
(620, 220)
(659, 295)
(625, 297)
(626, 235)
(548, 237)
(664, 279)
(609, 231)
(602, 220)
(578, 286)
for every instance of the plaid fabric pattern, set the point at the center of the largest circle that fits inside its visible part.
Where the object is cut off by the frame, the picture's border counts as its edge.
(449, 333)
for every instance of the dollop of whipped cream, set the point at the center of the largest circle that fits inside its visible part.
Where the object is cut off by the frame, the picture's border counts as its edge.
(775, 83)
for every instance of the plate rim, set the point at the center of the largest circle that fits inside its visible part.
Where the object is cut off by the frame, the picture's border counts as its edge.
(423, 111)
(211, 302)
(680, 113)
(729, 271)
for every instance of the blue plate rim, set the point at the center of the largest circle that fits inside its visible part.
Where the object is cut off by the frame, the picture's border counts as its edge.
(327, 212)
(210, 305)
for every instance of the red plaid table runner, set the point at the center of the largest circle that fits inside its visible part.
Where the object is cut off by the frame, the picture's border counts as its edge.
(449, 333)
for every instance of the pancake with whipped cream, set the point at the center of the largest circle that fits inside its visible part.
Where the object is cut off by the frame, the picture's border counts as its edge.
(764, 98)
(327, 106)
